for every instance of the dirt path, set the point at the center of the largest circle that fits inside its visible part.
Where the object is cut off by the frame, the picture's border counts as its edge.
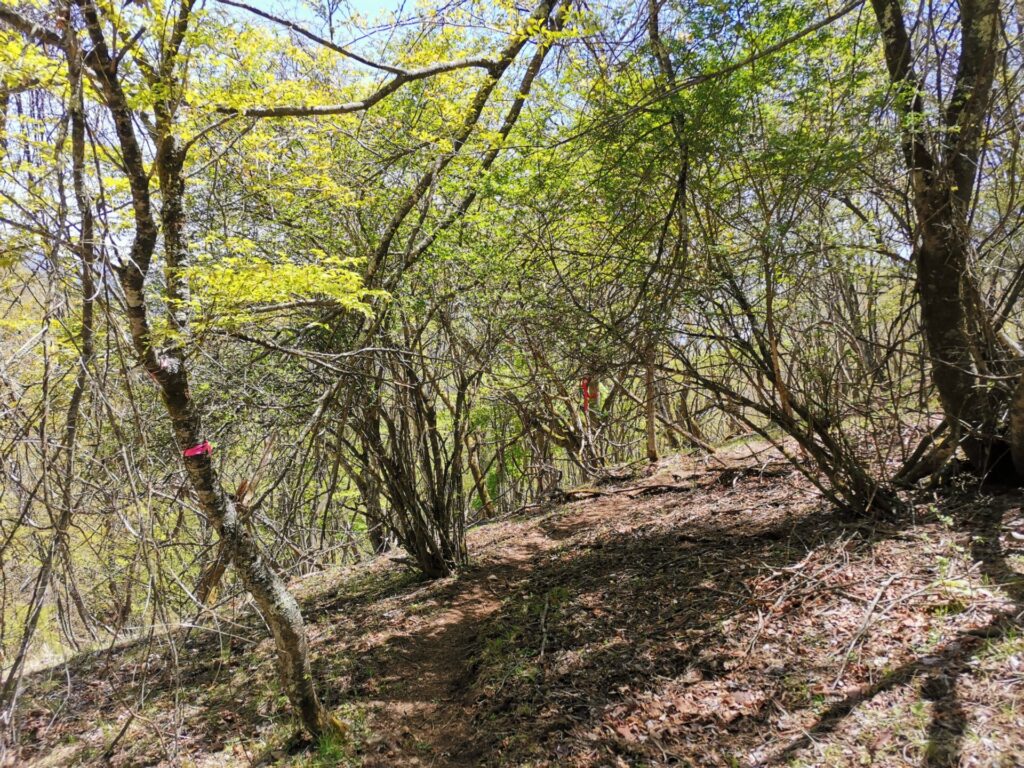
(423, 714)
(698, 622)
(423, 707)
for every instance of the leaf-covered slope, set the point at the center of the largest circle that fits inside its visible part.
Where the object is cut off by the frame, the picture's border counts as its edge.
(721, 618)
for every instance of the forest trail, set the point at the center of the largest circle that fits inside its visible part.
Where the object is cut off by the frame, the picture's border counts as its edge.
(424, 700)
(283, 280)
(703, 614)
(421, 701)
(426, 710)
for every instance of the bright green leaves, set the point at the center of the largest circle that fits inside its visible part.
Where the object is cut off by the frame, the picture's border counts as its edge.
(243, 68)
(23, 63)
(241, 290)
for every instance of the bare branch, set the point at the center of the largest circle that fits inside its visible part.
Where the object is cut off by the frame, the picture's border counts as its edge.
(359, 106)
(29, 28)
(316, 38)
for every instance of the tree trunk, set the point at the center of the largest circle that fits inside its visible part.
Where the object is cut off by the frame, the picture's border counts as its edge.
(276, 603)
(650, 407)
(968, 360)
(376, 525)
(590, 453)
(168, 369)
(479, 480)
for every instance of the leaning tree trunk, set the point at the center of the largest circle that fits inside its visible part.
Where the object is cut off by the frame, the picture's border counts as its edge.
(650, 407)
(276, 603)
(479, 478)
(168, 367)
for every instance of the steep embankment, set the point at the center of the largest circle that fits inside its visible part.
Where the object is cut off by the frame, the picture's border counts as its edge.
(706, 614)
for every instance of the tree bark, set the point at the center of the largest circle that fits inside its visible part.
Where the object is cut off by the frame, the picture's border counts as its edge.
(479, 480)
(943, 161)
(168, 368)
(650, 407)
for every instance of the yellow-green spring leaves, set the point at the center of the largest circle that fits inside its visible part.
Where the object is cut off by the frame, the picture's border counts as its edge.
(239, 290)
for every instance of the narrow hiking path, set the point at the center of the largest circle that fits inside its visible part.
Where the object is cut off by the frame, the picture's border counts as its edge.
(420, 703)
(701, 615)
(421, 712)
(424, 710)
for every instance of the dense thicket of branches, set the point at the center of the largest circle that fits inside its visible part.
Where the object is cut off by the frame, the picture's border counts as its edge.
(275, 301)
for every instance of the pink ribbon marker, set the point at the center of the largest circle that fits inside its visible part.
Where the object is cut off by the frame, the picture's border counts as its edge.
(197, 450)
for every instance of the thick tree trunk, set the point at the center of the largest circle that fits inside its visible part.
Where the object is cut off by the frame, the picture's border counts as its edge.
(1017, 427)
(943, 153)
(958, 357)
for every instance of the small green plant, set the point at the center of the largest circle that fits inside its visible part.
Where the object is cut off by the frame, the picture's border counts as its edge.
(331, 749)
(950, 608)
(336, 749)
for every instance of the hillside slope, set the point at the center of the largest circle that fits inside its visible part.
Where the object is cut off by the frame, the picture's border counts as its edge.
(704, 615)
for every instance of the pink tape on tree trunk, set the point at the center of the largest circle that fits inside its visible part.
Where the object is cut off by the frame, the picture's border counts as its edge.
(197, 450)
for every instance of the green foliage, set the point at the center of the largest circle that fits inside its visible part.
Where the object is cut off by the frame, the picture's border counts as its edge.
(238, 290)
(356, 293)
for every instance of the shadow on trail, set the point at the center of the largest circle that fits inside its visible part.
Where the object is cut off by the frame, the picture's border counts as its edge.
(942, 668)
(215, 682)
(579, 644)
(589, 636)
(412, 679)
(949, 721)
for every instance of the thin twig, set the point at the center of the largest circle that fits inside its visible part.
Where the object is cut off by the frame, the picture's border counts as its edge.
(863, 627)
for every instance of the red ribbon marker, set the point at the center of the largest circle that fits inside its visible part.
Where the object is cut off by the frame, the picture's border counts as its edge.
(585, 386)
(197, 450)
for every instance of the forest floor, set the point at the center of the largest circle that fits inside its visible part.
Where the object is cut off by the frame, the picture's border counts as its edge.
(705, 614)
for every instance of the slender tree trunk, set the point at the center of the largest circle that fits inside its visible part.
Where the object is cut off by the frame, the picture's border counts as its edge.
(376, 525)
(686, 416)
(650, 407)
(209, 580)
(591, 452)
(86, 253)
(168, 369)
(276, 603)
(479, 481)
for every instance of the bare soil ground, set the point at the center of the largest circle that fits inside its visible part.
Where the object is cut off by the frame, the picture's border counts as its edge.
(702, 615)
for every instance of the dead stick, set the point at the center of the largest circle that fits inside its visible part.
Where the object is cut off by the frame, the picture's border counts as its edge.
(863, 627)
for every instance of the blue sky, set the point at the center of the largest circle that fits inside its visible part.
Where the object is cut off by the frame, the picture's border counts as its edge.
(368, 8)
(298, 11)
